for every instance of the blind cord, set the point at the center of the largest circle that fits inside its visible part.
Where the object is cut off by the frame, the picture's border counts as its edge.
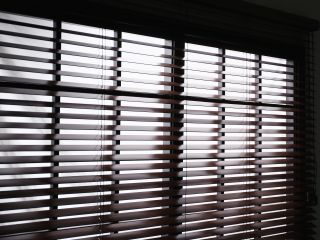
(187, 133)
(186, 56)
(101, 122)
(247, 143)
(101, 182)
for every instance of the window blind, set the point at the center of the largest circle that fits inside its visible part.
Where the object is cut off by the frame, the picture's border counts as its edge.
(108, 134)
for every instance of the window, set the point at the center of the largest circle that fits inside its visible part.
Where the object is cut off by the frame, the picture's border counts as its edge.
(107, 133)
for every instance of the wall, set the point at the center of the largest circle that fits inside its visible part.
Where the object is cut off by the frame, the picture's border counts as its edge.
(311, 9)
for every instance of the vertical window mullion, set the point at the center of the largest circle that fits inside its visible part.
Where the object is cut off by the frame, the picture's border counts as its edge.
(290, 123)
(258, 135)
(168, 60)
(176, 124)
(221, 143)
(56, 110)
(117, 122)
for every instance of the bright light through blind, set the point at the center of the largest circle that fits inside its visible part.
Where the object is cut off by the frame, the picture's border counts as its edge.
(112, 135)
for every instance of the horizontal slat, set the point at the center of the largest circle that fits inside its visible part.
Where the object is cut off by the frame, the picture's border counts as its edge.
(141, 137)
(236, 229)
(24, 148)
(99, 106)
(81, 158)
(159, 46)
(146, 166)
(190, 217)
(77, 126)
(12, 217)
(26, 24)
(164, 83)
(26, 35)
(151, 73)
(85, 44)
(30, 204)
(97, 66)
(147, 205)
(111, 91)
(92, 86)
(71, 90)
(145, 233)
(144, 176)
(283, 113)
(139, 195)
(96, 178)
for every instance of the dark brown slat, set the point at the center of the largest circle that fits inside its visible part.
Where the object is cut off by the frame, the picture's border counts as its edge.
(107, 166)
(193, 212)
(25, 148)
(203, 216)
(152, 110)
(149, 128)
(95, 76)
(98, 148)
(135, 195)
(151, 73)
(77, 91)
(236, 229)
(289, 90)
(155, 45)
(141, 80)
(26, 24)
(124, 98)
(82, 74)
(284, 232)
(53, 235)
(27, 35)
(26, 47)
(186, 119)
(96, 178)
(145, 204)
(158, 137)
(281, 236)
(141, 119)
(75, 32)
(144, 233)
(182, 200)
(26, 58)
(83, 231)
(166, 211)
(273, 209)
(97, 66)
(236, 220)
(92, 189)
(160, 129)
(134, 118)
(191, 217)
(138, 234)
(159, 92)
(82, 158)
(146, 166)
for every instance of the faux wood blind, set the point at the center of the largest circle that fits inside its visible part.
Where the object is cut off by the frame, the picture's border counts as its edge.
(112, 135)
